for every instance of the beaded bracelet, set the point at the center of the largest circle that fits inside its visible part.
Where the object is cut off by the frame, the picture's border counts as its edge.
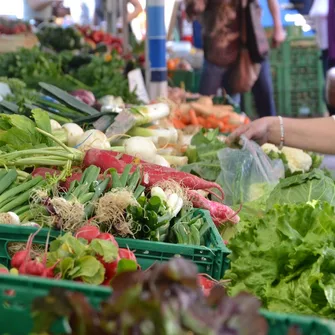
(282, 133)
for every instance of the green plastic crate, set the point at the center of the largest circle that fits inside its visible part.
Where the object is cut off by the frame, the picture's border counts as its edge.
(211, 258)
(15, 310)
(279, 324)
(180, 78)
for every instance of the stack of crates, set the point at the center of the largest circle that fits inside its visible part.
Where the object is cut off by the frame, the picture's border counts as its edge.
(298, 81)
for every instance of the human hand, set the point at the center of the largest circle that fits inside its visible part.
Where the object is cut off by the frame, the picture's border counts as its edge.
(279, 36)
(257, 131)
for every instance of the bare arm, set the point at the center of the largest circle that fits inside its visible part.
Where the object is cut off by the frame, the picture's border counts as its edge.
(38, 5)
(279, 34)
(316, 135)
(138, 10)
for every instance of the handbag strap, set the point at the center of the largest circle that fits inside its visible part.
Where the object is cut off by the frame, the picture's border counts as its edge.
(243, 18)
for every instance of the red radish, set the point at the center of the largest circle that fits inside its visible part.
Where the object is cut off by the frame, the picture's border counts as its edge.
(22, 257)
(127, 254)
(67, 183)
(108, 237)
(153, 174)
(110, 268)
(4, 270)
(206, 284)
(49, 272)
(84, 96)
(88, 232)
(79, 280)
(18, 258)
(33, 268)
(220, 213)
(43, 172)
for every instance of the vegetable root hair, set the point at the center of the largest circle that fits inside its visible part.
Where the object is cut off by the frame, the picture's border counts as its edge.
(111, 210)
(71, 213)
(38, 196)
(14, 247)
(171, 186)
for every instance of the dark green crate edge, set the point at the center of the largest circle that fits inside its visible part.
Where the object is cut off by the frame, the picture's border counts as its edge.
(280, 323)
(211, 260)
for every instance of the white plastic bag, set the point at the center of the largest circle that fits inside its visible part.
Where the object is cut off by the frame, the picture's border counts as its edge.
(247, 173)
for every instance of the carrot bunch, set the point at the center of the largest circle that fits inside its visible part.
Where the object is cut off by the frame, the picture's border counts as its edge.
(204, 114)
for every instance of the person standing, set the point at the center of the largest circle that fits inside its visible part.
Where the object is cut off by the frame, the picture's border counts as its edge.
(221, 43)
(39, 10)
(262, 90)
(319, 13)
(100, 10)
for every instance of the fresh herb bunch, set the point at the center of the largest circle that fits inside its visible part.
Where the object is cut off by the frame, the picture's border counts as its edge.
(28, 64)
(105, 77)
(60, 39)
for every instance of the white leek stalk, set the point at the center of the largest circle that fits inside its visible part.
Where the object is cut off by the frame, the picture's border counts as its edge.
(163, 136)
(175, 204)
(149, 113)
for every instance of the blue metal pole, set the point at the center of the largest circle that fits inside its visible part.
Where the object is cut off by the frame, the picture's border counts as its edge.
(156, 49)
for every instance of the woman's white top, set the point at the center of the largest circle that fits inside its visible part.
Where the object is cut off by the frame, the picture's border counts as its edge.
(29, 13)
(319, 13)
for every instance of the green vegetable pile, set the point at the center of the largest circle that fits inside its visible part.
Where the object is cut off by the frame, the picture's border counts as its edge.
(68, 71)
(202, 155)
(286, 258)
(60, 39)
(303, 188)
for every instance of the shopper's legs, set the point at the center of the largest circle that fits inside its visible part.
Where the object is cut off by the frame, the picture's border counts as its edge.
(211, 79)
(263, 91)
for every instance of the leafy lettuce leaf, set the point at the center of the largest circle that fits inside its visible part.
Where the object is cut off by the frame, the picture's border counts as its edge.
(202, 155)
(18, 132)
(287, 259)
(303, 188)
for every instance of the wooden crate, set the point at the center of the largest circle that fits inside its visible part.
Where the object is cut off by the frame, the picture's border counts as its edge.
(11, 43)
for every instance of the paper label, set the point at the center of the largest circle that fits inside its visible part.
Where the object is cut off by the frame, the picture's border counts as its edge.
(136, 82)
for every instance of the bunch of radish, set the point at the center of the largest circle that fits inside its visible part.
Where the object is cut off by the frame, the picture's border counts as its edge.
(25, 265)
(89, 233)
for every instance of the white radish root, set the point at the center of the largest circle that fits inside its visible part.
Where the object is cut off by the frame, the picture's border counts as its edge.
(9, 218)
(14, 247)
(70, 213)
(111, 211)
(170, 186)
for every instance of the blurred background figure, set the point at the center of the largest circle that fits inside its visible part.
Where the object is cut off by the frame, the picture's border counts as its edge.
(99, 16)
(319, 14)
(220, 30)
(43, 10)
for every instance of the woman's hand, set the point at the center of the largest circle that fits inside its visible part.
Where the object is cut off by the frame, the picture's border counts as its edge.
(258, 131)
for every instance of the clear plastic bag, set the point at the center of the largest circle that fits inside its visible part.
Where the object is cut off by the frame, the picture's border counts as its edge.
(247, 174)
